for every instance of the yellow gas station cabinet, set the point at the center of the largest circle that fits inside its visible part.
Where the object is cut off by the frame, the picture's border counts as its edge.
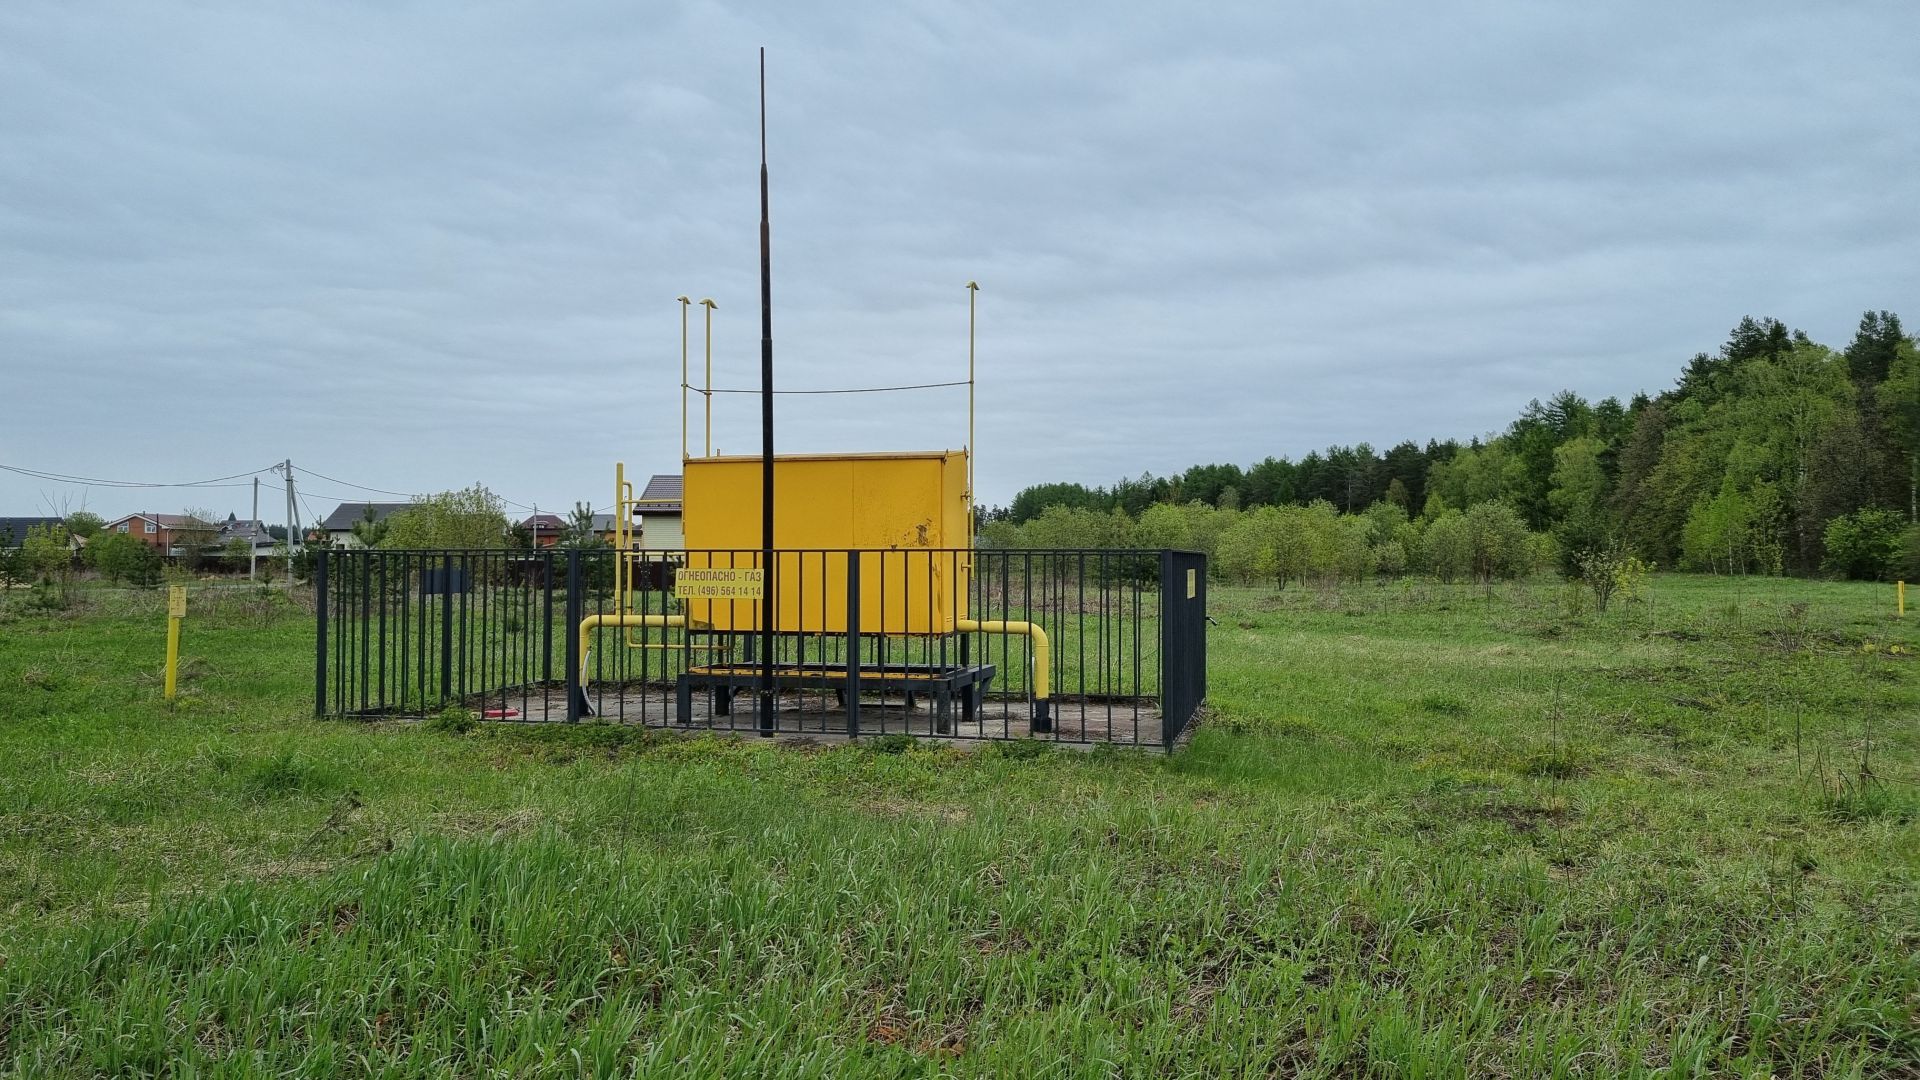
(906, 512)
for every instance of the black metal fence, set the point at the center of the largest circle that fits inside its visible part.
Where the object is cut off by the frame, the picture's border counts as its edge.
(930, 642)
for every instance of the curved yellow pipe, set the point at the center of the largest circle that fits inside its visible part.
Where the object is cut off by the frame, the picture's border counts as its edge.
(594, 622)
(1042, 670)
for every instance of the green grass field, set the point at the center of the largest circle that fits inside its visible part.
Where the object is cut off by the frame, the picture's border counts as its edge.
(1428, 831)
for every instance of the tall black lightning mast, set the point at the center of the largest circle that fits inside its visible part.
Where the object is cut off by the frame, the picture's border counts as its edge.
(767, 606)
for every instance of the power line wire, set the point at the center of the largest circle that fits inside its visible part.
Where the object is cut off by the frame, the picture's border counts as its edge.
(216, 482)
(850, 390)
(351, 484)
(94, 481)
(388, 491)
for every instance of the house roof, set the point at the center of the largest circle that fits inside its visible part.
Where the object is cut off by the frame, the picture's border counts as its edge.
(165, 521)
(233, 528)
(663, 494)
(344, 515)
(13, 530)
(544, 522)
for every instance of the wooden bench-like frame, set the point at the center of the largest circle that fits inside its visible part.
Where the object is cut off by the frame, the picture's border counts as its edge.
(942, 682)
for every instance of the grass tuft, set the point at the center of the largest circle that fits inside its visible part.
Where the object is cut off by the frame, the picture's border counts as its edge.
(893, 743)
(285, 773)
(1866, 800)
(452, 720)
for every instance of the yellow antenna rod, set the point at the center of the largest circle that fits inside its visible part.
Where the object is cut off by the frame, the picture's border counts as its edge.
(709, 305)
(620, 541)
(973, 291)
(684, 303)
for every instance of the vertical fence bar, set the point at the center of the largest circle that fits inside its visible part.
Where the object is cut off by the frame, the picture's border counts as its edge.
(382, 650)
(546, 616)
(466, 618)
(576, 697)
(320, 633)
(853, 645)
(446, 626)
(365, 579)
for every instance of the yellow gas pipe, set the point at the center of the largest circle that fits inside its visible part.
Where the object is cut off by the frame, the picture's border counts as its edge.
(1042, 653)
(593, 622)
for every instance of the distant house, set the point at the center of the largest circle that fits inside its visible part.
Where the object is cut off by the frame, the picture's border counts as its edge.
(13, 530)
(164, 532)
(158, 531)
(253, 533)
(339, 525)
(546, 529)
(658, 510)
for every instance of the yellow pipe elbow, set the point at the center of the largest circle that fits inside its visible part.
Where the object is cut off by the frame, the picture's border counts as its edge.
(1042, 651)
(594, 622)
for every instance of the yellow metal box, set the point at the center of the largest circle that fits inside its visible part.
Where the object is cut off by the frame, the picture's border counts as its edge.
(906, 511)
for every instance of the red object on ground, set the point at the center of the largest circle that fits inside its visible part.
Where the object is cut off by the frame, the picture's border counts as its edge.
(500, 714)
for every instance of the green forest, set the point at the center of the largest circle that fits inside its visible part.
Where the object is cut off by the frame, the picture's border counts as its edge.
(1775, 454)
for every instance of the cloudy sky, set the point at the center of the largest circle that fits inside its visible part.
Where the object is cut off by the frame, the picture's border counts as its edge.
(415, 246)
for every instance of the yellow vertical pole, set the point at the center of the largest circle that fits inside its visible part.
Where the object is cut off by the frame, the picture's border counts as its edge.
(973, 291)
(1900, 598)
(709, 305)
(620, 537)
(684, 304)
(176, 610)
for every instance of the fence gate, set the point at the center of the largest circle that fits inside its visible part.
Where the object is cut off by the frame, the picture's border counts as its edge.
(1183, 640)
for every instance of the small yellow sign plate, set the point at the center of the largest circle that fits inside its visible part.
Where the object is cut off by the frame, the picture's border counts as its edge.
(176, 601)
(719, 583)
(1193, 584)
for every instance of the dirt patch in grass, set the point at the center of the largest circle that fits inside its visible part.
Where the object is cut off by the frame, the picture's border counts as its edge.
(891, 1023)
(918, 811)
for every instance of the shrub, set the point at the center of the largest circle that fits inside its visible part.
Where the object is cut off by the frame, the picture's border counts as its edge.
(1864, 545)
(1611, 571)
(121, 558)
(1500, 545)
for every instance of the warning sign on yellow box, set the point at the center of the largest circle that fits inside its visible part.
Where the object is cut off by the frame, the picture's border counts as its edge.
(176, 601)
(719, 583)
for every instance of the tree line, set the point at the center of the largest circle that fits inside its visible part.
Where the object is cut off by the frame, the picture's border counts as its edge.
(1773, 454)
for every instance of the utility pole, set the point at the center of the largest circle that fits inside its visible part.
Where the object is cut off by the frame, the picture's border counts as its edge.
(294, 498)
(286, 467)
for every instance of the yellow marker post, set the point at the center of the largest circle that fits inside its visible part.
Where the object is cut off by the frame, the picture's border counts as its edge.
(176, 610)
(1900, 599)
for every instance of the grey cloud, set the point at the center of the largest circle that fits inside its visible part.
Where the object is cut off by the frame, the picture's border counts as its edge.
(416, 248)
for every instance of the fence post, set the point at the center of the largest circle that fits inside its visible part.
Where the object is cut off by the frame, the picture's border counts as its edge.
(853, 644)
(575, 612)
(320, 632)
(1170, 617)
(1200, 634)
